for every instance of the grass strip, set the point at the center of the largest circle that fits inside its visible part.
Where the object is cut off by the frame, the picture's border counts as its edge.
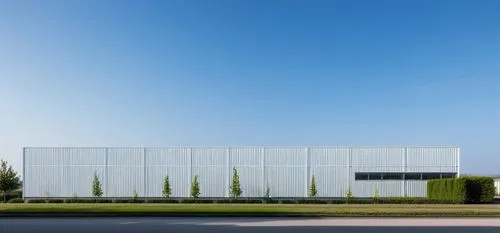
(254, 210)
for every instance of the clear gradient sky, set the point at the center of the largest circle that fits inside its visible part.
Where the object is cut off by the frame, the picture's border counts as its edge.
(251, 72)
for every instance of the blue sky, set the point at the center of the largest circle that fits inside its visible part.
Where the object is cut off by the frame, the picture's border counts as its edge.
(251, 72)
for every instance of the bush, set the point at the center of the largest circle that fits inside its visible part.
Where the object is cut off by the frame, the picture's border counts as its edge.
(170, 201)
(36, 201)
(54, 201)
(473, 189)
(16, 200)
(197, 201)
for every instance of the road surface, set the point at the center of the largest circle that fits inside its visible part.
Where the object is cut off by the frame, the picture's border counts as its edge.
(247, 225)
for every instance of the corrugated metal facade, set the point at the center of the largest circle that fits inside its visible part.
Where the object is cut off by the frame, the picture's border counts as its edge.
(64, 172)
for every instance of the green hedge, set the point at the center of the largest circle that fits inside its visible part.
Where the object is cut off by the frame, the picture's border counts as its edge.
(389, 200)
(473, 189)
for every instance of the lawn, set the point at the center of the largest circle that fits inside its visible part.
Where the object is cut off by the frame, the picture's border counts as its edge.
(252, 210)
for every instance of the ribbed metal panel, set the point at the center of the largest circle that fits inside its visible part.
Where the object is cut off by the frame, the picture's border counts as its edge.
(422, 157)
(385, 188)
(381, 158)
(125, 172)
(172, 162)
(248, 163)
(62, 172)
(330, 167)
(416, 188)
(210, 164)
(79, 167)
(285, 171)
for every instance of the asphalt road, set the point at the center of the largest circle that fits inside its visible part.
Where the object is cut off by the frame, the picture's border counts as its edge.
(261, 225)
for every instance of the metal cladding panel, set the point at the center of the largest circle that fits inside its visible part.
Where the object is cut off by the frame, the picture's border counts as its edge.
(172, 162)
(84, 157)
(77, 180)
(416, 188)
(43, 171)
(210, 165)
(377, 169)
(331, 181)
(379, 157)
(80, 165)
(250, 181)
(125, 172)
(284, 157)
(446, 169)
(178, 177)
(172, 157)
(285, 170)
(43, 181)
(43, 157)
(248, 163)
(286, 181)
(329, 157)
(248, 157)
(385, 188)
(330, 168)
(433, 157)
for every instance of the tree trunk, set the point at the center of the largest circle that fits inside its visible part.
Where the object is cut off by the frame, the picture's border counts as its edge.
(4, 196)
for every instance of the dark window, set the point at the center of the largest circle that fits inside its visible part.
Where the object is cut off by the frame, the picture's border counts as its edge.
(413, 176)
(361, 176)
(392, 176)
(431, 176)
(448, 175)
(375, 176)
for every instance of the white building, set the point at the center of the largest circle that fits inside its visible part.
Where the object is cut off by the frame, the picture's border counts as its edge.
(287, 171)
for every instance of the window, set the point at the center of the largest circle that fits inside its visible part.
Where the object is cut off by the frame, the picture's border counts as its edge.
(361, 176)
(392, 176)
(403, 176)
(431, 176)
(448, 175)
(413, 176)
(375, 176)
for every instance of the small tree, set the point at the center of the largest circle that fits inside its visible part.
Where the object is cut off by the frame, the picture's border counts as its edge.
(9, 180)
(268, 193)
(195, 187)
(312, 189)
(135, 196)
(235, 189)
(96, 186)
(348, 196)
(167, 191)
(376, 196)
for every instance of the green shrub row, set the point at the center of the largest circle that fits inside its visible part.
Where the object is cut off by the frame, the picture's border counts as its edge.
(248, 201)
(472, 189)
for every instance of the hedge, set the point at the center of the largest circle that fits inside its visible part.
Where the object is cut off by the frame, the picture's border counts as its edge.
(468, 190)
(388, 200)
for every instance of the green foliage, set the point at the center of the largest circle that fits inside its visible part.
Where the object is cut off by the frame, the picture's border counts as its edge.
(135, 196)
(96, 186)
(267, 194)
(336, 201)
(16, 200)
(167, 191)
(376, 197)
(348, 197)
(195, 187)
(470, 189)
(235, 189)
(312, 189)
(9, 179)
